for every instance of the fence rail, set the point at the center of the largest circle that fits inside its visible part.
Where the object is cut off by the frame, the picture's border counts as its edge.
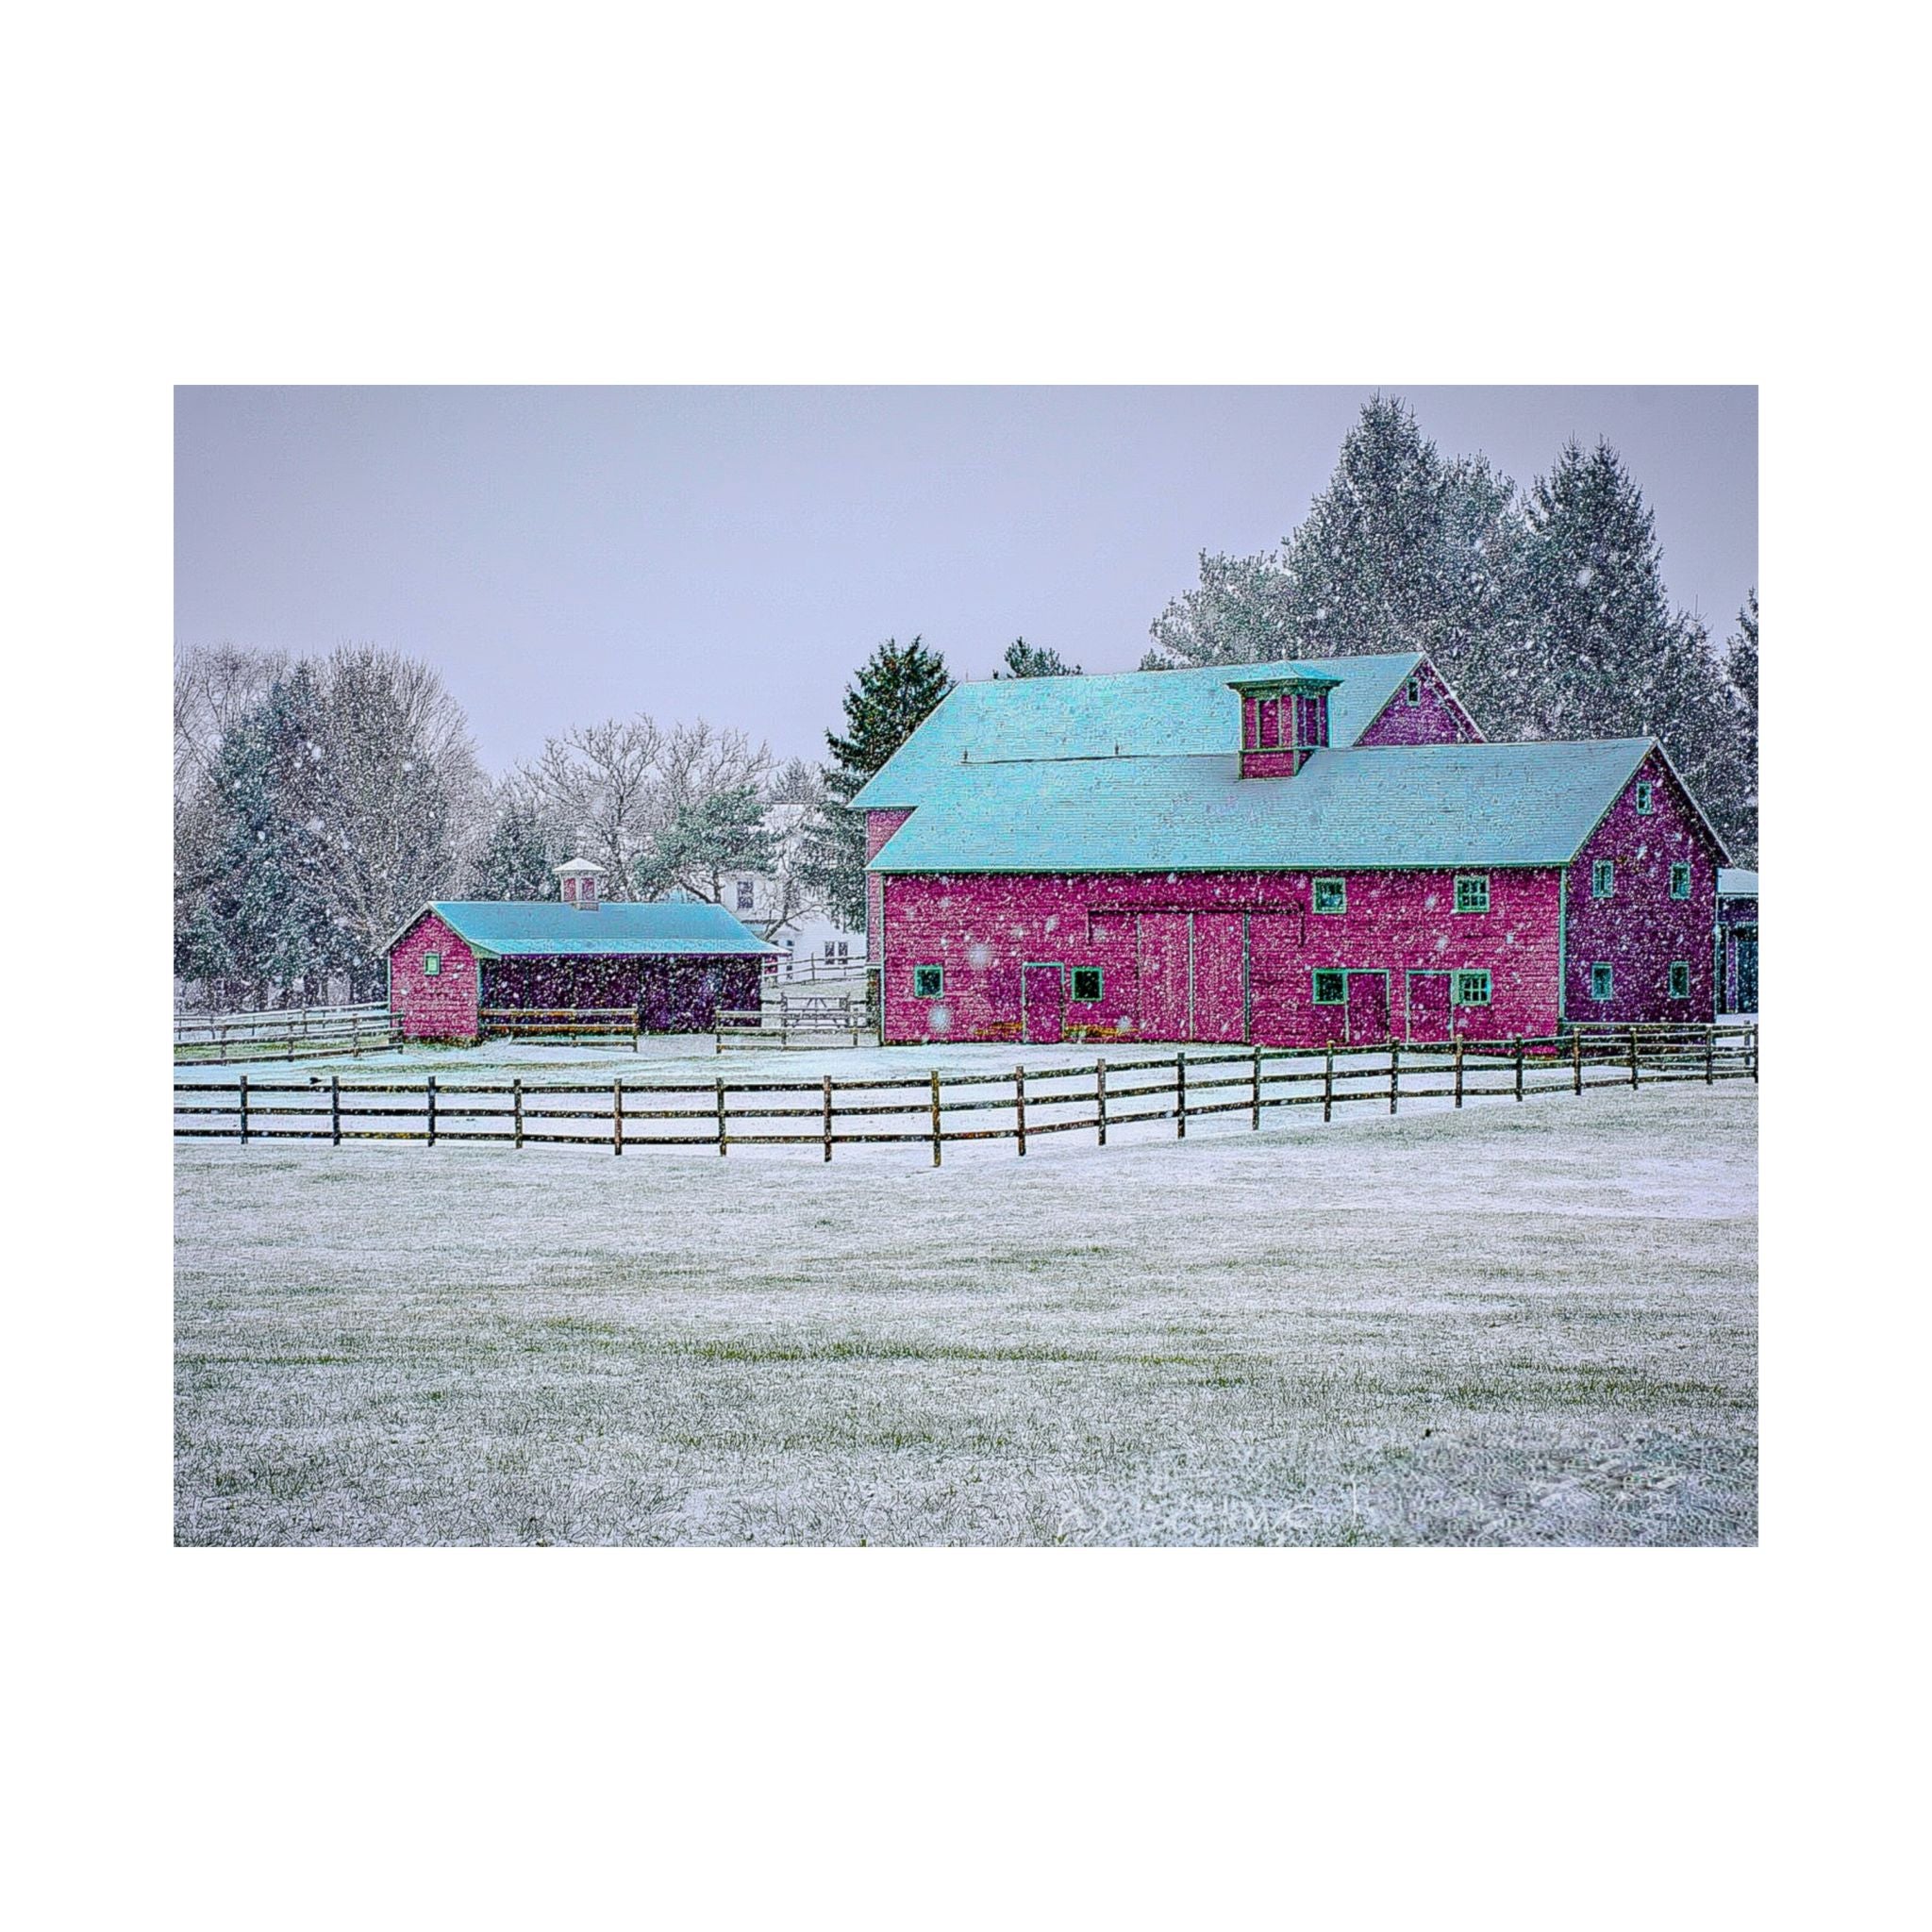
(292, 1033)
(798, 1019)
(933, 1110)
(559, 1022)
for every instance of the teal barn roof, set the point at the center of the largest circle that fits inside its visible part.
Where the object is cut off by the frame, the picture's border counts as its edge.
(1139, 713)
(549, 928)
(1430, 805)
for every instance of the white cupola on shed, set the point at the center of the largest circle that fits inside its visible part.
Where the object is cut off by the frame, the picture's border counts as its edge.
(580, 880)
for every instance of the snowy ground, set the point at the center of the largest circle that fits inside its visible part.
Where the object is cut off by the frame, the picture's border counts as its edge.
(1520, 1324)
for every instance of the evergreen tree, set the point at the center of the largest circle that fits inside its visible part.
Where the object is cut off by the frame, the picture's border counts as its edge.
(1035, 660)
(705, 839)
(267, 908)
(516, 861)
(1741, 668)
(1401, 552)
(896, 688)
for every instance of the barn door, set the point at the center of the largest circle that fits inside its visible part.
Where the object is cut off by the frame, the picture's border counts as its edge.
(1221, 974)
(1368, 1009)
(1163, 971)
(1043, 1003)
(1747, 973)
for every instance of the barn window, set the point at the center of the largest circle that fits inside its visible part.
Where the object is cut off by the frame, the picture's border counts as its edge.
(1331, 895)
(432, 965)
(1646, 796)
(1331, 989)
(1087, 982)
(1472, 891)
(928, 982)
(1602, 982)
(744, 895)
(1680, 979)
(1680, 881)
(1471, 988)
(1602, 879)
(1415, 690)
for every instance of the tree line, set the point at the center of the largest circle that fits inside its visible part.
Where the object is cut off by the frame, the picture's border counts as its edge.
(319, 802)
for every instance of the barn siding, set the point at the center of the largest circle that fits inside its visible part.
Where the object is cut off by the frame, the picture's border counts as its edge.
(1437, 719)
(443, 1007)
(1641, 929)
(671, 993)
(983, 929)
(879, 826)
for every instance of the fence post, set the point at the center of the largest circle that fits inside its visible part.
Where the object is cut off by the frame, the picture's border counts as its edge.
(1459, 1072)
(935, 1116)
(1754, 1049)
(244, 1109)
(617, 1116)
(1328, 1083)
(1633, 1056)
(634, 1016)
(1519, 1066)
(1019, 1106)
(721, 1117)
(335, 1109)
(1710, 1056)
(1577, 1061)
(516, 1107)
(429, 1089)
(828, 1116)
(1255, 1122)
(1180, 1093)
(1395, 1074)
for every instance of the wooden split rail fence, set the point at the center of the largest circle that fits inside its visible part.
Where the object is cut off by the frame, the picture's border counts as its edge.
(1094, 1097)
(292, 1033)
(799, 1019)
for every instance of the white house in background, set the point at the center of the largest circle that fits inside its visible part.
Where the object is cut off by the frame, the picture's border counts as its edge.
(805, 933)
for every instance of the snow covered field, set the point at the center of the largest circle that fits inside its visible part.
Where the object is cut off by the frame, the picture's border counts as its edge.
(1526, 1324)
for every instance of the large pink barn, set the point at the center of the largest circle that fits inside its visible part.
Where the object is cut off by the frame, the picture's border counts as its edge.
(1293, 854)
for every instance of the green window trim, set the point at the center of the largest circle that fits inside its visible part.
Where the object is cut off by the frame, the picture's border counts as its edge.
(1680, 880)
(1330, 895)
(1680, 979)
(1646, 797)
(432, 965)
(1088, 981)
(1602, 981)
(1337, 993)
(1472, 891)
(1602, 878)
(928, 981)
(1469, 988)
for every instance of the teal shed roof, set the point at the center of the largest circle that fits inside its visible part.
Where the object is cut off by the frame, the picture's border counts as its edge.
(1143, 713)
(549, 928)
(1733, 883)
(1430, 805)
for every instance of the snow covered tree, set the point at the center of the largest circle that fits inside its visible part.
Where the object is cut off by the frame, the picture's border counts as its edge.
(705, 839)
(518, 860)
(895, 690)
(1741, 668)
(1035, 660)
(1401, 552)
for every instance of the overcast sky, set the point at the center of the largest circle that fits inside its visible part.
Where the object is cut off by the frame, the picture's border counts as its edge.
(567, 555)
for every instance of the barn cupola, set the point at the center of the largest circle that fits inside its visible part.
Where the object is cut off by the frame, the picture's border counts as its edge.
(579, 883)
(1283, 720)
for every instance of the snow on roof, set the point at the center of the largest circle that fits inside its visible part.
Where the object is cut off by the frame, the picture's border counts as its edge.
(1734, 883)
(547, 927)
(578, 865)
(1139, 713)
(1430, 805)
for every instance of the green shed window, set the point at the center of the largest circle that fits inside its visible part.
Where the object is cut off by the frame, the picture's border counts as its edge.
(1472, 891)
(432, 965)
(928, 982)
(1414, 692)
(1680, 979)
(1646, 796)
(1331, 895)
(1471, 988)
(1331, 989)
(1602, 879)
(1680, 881)
(1602, 982)
(1086, 982)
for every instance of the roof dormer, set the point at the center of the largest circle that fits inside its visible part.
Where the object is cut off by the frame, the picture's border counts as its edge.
(1283, 720)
